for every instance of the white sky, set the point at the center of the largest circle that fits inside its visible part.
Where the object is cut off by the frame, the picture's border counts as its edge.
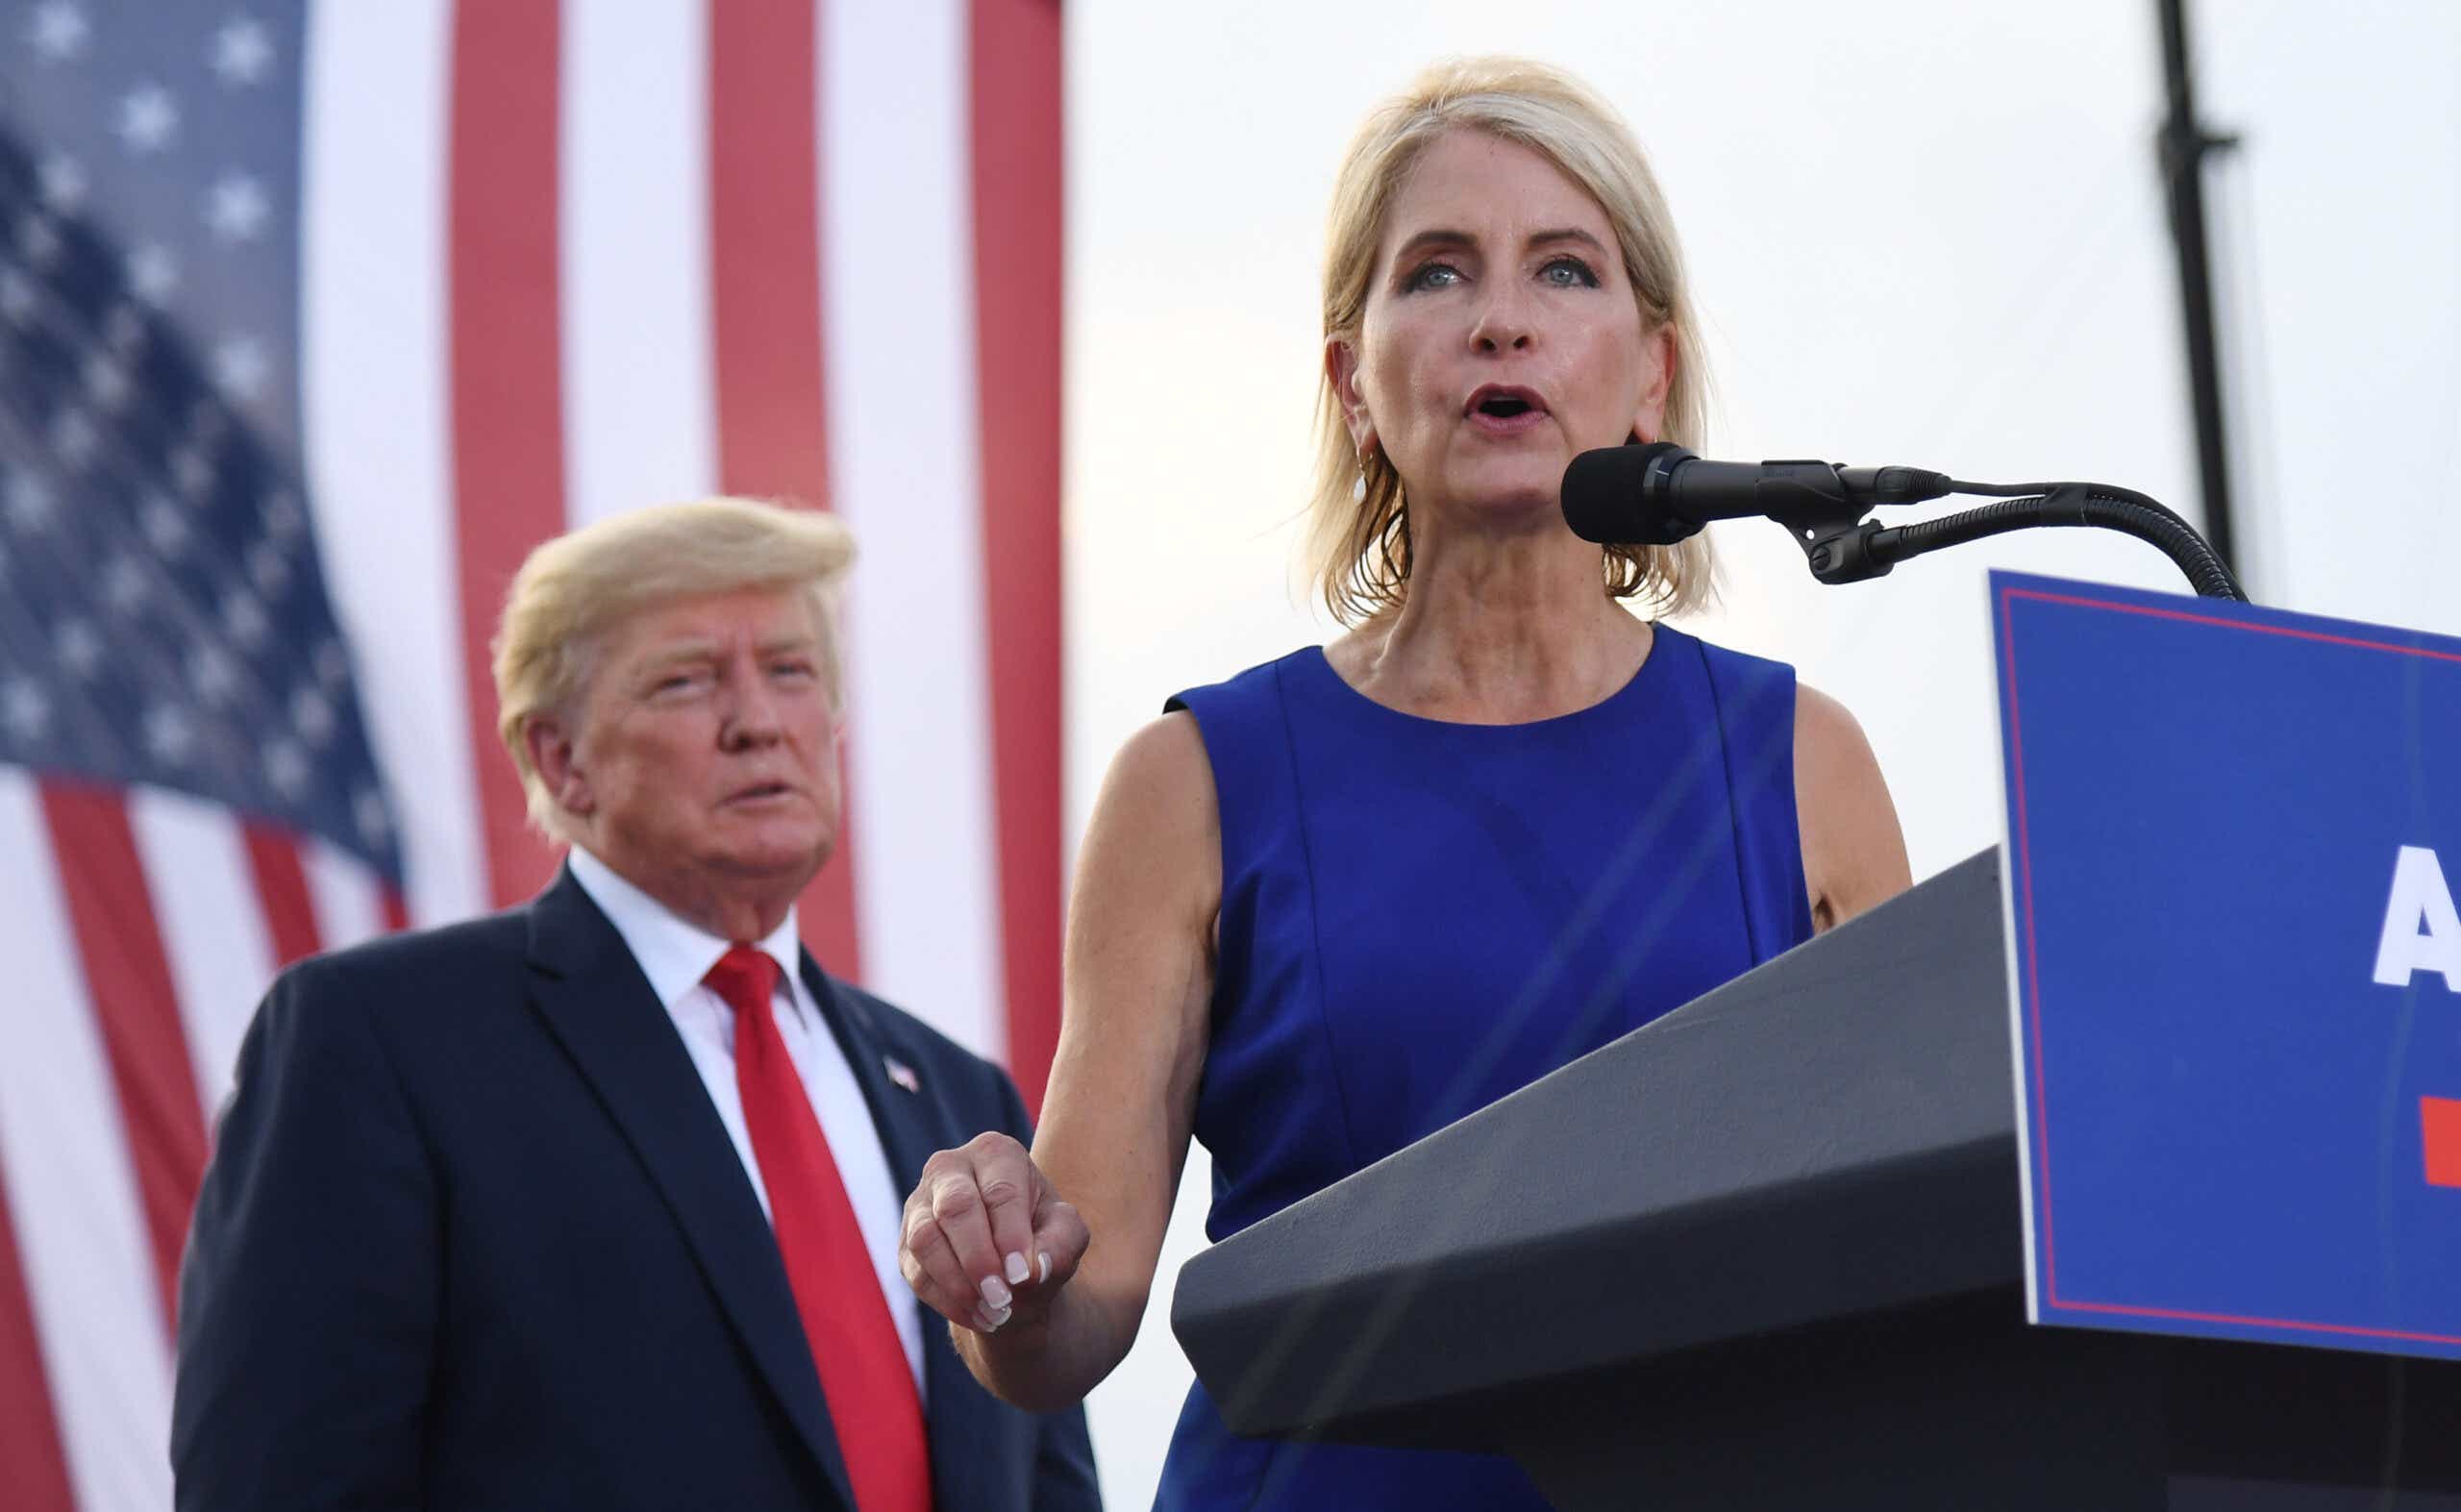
(1924, 231)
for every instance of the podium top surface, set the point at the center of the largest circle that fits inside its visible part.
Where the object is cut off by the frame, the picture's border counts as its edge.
(1830, 1135)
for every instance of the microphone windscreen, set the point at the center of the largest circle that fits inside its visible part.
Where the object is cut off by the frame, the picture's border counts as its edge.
(1603, 499)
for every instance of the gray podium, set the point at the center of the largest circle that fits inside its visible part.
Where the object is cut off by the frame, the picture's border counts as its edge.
(1765, 1253)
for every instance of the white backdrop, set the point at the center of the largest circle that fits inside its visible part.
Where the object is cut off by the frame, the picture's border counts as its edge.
(1923, 231)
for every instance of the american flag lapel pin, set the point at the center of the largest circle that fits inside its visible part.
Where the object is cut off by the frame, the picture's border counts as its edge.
(902, 1074)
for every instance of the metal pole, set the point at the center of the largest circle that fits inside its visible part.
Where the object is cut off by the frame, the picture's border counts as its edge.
(2182, 145)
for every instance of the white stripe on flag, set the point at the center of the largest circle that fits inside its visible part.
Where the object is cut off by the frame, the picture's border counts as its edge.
(213, 928)
(72, 1194)
(373, 335)
(640, 413)
(897, 262)
(342, 892)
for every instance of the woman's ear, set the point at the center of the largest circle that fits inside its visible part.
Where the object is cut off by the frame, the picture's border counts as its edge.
(1648, 417)
(1341, 371)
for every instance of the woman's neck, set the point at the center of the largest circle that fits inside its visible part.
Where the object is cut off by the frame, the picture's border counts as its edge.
(1497, 630)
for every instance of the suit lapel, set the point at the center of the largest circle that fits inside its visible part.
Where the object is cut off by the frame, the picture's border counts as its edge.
(915, 1122)
(595, 1001)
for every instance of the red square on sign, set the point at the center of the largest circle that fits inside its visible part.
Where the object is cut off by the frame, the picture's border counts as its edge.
(2441, 1118)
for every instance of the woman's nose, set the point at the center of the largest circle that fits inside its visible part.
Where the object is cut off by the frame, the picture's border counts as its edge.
(1503, 322)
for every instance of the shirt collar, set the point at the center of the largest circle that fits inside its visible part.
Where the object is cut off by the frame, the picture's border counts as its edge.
(672, 953)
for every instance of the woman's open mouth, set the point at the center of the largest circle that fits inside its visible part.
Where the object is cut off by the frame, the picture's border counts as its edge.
(1499, 410)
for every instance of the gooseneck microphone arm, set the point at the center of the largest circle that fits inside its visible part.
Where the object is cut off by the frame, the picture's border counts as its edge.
(1660, 493)
(2065, 503)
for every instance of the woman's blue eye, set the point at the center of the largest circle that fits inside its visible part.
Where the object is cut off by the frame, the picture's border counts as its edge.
(1436, 275)
(1569, 273)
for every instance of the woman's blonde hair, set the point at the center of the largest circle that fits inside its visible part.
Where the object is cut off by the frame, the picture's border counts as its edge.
(573, 591)
(1360, 549)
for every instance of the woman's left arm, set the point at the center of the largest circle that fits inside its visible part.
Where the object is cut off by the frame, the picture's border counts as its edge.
(1853, 852)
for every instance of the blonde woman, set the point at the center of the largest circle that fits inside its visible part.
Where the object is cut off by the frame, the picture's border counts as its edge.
(1345, 898)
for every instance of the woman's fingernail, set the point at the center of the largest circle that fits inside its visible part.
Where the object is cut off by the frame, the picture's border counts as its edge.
(995, 1296)
(1044, 1256)
(986, 1322)
(1018, 1270)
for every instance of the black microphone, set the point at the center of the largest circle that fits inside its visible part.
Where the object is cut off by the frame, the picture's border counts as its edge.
(1656, 494)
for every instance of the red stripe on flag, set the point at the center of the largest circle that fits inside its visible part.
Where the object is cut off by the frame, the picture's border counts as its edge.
(1015, 52)
(128, 976)
(397, 909)
(507, 364)
(765, 314)
(282, 887)
(37, 1471)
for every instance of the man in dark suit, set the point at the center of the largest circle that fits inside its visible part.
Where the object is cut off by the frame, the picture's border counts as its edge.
(594, 1203)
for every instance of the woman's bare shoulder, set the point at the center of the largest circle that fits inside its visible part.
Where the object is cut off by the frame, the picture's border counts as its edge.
(1853, 849)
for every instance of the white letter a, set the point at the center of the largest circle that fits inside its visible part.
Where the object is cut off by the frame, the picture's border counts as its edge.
(2422, 932)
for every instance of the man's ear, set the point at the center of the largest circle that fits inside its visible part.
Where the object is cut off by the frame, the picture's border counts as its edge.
(1341, 371)
(556, 758)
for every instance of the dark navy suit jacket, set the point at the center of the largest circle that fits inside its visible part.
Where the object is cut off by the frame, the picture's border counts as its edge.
(474, 1237)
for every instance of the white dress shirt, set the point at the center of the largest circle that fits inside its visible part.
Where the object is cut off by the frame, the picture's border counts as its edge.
(675, 955)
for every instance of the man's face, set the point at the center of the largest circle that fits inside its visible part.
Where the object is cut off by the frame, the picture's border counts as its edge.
(705, 764)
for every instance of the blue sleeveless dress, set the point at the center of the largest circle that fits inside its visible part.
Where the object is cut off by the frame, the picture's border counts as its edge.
(1419, 917)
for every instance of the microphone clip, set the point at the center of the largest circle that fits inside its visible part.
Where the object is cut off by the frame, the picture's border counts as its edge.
(1822, 507)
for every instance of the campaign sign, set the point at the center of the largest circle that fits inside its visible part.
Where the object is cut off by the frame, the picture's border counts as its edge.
(2234, 836)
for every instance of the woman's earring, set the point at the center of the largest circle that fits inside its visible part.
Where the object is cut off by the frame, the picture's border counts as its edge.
(1359, 488)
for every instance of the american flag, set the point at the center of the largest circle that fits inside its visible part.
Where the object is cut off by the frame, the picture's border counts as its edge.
(314, 319)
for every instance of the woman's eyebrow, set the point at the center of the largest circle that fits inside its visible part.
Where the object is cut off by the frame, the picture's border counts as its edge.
(1446, 236)
(1428, 240)
(1566, 234)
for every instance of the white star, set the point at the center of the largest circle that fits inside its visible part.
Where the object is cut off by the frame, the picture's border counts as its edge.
(240, 367)
(29, 502)
(18, 298)
(106, 382)
(313, 714)
(123, 329)
(245, 619)
(242, 51)
(367, 811)
(191, 471)
(166, 529)
(268, 569)
(79, 647)
(24, 709)
(148, 118)
(287, 769)
(64, 182)
(38, 239)
(168, 736)
(57, 31)
(212, 671)
(73, 439)
(153, 272)
(234, 207)
(333, 664)
(124, 586)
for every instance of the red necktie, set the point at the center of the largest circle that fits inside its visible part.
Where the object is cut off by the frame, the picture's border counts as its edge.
(846, 1319)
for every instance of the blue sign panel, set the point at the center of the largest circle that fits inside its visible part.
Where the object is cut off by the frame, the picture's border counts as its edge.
(2233, 839)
